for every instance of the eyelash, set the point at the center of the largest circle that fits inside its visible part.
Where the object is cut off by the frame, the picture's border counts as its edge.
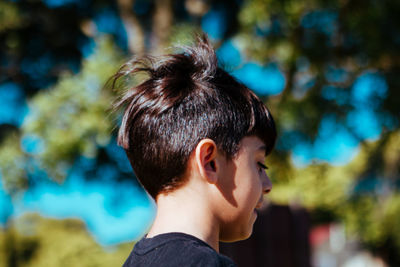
(262, 166)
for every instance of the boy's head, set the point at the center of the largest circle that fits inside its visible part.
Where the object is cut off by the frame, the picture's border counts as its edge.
(184, 99)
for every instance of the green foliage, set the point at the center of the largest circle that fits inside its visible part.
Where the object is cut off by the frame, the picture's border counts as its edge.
(35, 241)
(357, 42)
(371, 215)
(74, 117)
(12, 164)
(10, 17)
(182, 34)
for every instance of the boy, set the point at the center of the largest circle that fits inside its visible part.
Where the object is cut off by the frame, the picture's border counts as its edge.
(196, 139)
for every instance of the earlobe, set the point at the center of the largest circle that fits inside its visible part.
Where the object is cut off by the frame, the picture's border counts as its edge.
(205, 154)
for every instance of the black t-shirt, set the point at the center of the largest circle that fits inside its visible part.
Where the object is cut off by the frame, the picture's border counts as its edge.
(175, 250)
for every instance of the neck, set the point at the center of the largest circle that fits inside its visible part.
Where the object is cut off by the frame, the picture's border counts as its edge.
(176, 214)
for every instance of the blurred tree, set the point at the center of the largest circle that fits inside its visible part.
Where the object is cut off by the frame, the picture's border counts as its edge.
(340, 61)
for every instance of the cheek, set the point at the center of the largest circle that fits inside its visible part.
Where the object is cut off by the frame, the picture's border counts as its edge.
(253, 188)
(256, 179)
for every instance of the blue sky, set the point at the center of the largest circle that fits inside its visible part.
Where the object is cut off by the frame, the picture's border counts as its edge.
(114, 212)
(13, 104)
(5, 203)
(336, 143)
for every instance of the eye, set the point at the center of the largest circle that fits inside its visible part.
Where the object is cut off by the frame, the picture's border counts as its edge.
(262, 167)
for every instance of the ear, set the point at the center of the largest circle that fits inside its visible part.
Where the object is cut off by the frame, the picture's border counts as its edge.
(205, 158)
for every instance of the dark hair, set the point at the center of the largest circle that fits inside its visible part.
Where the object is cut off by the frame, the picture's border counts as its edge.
(185, 98)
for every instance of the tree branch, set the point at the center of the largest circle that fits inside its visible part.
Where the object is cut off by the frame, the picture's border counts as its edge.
(162, 23)
(134, 30)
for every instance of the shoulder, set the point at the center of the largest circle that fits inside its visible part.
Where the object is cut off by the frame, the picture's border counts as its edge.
(176, 249)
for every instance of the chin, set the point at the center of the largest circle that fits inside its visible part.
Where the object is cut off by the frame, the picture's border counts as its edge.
(238, 230)
(238, 235)
(236, 238)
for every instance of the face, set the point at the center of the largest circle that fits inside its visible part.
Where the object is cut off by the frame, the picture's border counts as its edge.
(242, 182)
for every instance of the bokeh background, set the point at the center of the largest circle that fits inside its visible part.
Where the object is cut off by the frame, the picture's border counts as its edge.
(328, 70)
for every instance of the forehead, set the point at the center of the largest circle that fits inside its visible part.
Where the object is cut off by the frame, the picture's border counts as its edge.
(252, 144)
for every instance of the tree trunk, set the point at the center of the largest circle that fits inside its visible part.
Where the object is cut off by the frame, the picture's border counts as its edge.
(134, 30)
(162, 22)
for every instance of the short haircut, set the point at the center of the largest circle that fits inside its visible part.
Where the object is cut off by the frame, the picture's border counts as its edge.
(185, 98)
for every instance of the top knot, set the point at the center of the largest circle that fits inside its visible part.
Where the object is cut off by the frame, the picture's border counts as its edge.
(169, 80)
(204, 58)
(198, 61)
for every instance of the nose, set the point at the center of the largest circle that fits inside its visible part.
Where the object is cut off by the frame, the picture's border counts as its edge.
(267, 184)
